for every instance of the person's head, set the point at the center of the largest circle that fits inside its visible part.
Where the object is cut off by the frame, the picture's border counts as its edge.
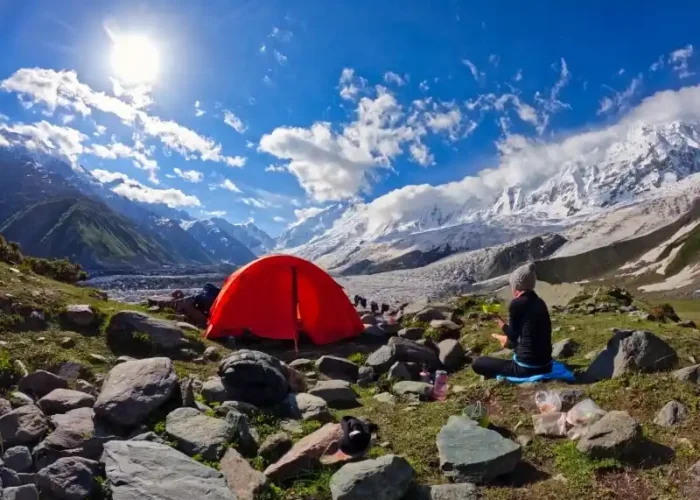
(523, 279)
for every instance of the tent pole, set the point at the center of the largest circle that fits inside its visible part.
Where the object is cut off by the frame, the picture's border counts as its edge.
(295, 309)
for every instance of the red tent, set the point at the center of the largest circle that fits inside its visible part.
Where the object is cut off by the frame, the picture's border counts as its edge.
(278, 296)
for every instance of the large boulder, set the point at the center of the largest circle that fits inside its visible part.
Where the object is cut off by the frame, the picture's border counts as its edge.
(245, 482)
(399, 372)
(446, 329)
(68, 479)
(469, 453)
(411, 333)
(460, 491)
(306, 454)
(564, 349)
(628, 352)
(386, 478)
(410, 351)
(64, 400)
(673, 413)
(8, 477)
(79, 316)
(213, 391)
(275, 446)
(688, 374)
(25, 425)
(337, 393)
(613, 436)
(132, 390)
(241, 432)
(197, 434)
(413, 390)
(24, 492)
(381, 359)
(306, 407)
(254, 377)
(335, 367)
(142, 469)
(41, 382)
(18, 458)
(161, 334)
(452, 354)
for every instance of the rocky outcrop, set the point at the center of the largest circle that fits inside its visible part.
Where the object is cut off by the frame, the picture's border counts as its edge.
(197, 434)
(159, 333)
(254, 377)
(613, 436)
(25, 425)
(386, 478)
(64, 400)
(40, 383)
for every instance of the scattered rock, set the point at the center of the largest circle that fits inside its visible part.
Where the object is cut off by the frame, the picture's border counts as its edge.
(24, 492)
(337, 368)
(673, 413)
(302, 364)
(628, 352)
(292, 426)
(254, 377)
(373, 334)
(211, 353)
(429, 314)
(419, 390)
(69, 478)
(5, 407)
(141, 469)
(564, 349)
(398, 372)
(335, 393)
(307, 407)
(365, 376)
(452, 354)
(275, 446)
(197, 434)
(25, 425)
(613, 436)
(161, 334)
(99, 358)
(381, 359)
(688, 374)
(469, 453)
(412, 333)
(8, 477)
(687, 323)
(446, 329)
(79, 316)
(41, 382)
(132, 390)
(295, 379)
(410, 351)
(67, 342)
(386, 397)
(386, 478)
(240, 429)
(186, 392)
(306, 454)
(18, 458)
(245, 408)
(64, 400)
(461, 491)
(20, 399)
(213, 391)
(245, 482)
(524, 441)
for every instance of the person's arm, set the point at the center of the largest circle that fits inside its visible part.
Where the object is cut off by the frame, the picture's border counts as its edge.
(513, 328)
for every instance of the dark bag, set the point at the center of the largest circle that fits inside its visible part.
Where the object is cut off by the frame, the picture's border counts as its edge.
(357, 435)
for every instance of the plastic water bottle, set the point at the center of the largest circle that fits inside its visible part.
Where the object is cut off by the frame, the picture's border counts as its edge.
(425, 376)
(440, 387)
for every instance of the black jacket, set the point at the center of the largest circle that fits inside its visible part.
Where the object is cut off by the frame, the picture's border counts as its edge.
(530, 329)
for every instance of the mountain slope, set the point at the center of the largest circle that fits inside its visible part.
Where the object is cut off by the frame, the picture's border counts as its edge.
(305, 230)
(257, 240)
(219, 242)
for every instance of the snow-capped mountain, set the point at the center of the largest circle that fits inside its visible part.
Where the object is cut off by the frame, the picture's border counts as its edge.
(250, 235)
(310, 226)
(646, 162)
(214, 236)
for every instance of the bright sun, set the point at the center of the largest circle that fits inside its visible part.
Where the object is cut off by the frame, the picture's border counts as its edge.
(135, 59)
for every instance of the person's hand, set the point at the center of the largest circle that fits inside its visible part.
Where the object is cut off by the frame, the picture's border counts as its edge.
(502, 339)
(500, 322)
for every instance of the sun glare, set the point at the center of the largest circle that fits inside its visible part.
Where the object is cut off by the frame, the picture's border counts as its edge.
(135, 59)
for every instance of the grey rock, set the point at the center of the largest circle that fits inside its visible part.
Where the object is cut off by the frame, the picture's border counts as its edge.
(412, 333)
(386, 478)
(245, 408)
(292, 426)
(386, 397)
(452, 354)
(569, 397)
(197, 434)
(186, 392)
(162, 334)
(613, 436)
(79, 316)
(20, 368)
(24, 492)
(213, 391)
(407, 350)
(365, 376)
(27, 477)
(399, 372)
(211, 353)
(149, 436)
(469, 453)
(123, 359)
(245, 482)
(64, 400)
(18, 458)
(368, 319)
(461, 491)
(381, 359)
(99, 359)
(275, 446)
(408, 389)
(629, 352)
(238, 423)
(430, 314)
(140, 469)
(9, 478)
(416, 306)
(338, 368)
(302, 364)
(307, 407)
(132, 390)
(688, 374)
(335, 392)
(67, 342)
(254, 377)
(390, 328)
(373, 334)
(5, 407)
(673, 413)
(86, 387)
(25, 425)
(446, 329)
(69, 478)
(41, 382)
(564, 349)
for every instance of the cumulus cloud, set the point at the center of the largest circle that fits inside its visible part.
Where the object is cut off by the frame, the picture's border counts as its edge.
(263, 49)
(421, 154)
(658, 64)
(303, 214)
(228, 186)
(137, 153)
(391, 77)
(446, 118)
(198, 111)
(134, 190)
(99, 130)
(281, 58)
(494, 59)
(234, 122)
(275, 168)
(193, 176)
(620, 101)
(424, 86)
(277, 218)
(255, 202)
(678, 59)
(281, 35)
(478, 75)
(214, 213)
(249, 144)
(518, 76)
(350, 85)
(46, 137)
(501, 103)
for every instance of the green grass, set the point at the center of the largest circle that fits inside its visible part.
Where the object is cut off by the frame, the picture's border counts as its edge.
(577, 468)
(358, 358)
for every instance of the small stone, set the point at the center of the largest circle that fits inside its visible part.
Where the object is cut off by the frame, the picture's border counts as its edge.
(64, 400)
(86, 387)
(365, 376)
(411, 333)
(398, 372)
(197, 434)
(18, 458)
(67, 342)
(308, 407)
(25, 425)
(452, 354)
(302, 364)
(386, 397)
(338, 368)
(564, 349)
(70, 478)
(275, 446)
(335, 392)
(292, 426)
(688, 374)
(213, 391)
(524, 441)
(446, 329)
(211, 353)
(98, 358)
(381, 359)
(41, 382)
(673, 413)
(24, 492)
(419, 390)
(238, 422)
(461, 491)
(5, 407)
(20, 399)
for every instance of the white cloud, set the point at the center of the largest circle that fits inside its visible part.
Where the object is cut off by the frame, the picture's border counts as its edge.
(478, 75)
(489, 102)
(303, 214)
(620, 101)
(138, 154)
(678, 59)
(350, 85)
(421, 154)
(139, 96)
(215, 213)
(66, 119)
(621, 72)
(494, 59)
(267, 80)
(47, 138)
(189, 175)
(277, 218)
(263, 49)
(551, 103)
(447, 120)
(281, 58)
(424, 86)
(391, 77)
(518, 76)
(228, 186)
(235, 161)
(275, 168)
(198, 111)
(136, 191)
(255, 202)
(234, 122)
(658, 64)
(282, 35)
(99, 130)
(249, 144)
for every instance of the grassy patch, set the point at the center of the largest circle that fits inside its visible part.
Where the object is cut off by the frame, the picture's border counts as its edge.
(578, 469)
(358, 358)
(214, 464)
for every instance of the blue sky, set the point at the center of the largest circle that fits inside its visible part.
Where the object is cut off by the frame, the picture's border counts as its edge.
(304, 103)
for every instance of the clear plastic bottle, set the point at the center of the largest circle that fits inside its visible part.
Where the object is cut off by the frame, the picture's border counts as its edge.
(440, 387)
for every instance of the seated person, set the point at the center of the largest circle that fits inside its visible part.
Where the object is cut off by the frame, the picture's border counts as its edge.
(529, 332)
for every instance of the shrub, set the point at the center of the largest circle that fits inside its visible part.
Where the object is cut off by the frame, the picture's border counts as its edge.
(10, 252)
(8, 371)
(58, 269)
(358, 358)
